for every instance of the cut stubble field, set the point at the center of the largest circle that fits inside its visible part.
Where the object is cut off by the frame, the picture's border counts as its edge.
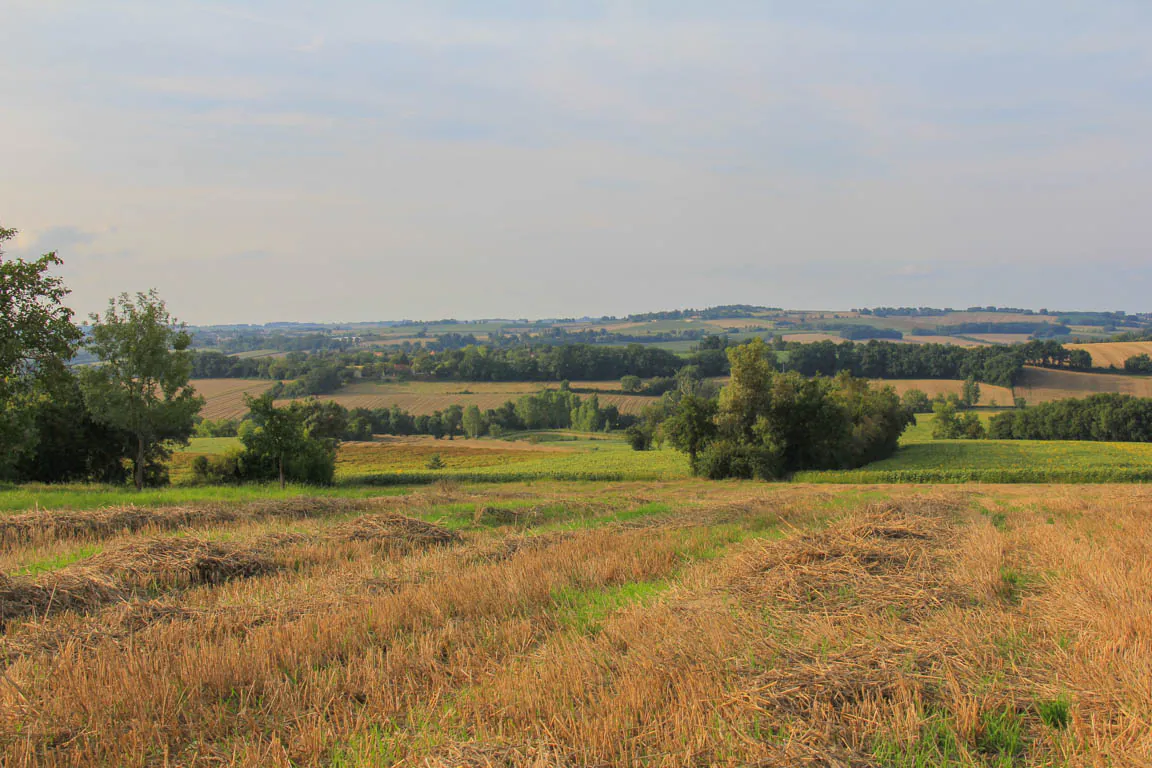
(665, 624)
(1113, 354)
(224, 398)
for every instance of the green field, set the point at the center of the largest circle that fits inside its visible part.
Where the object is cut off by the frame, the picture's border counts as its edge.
(920, 459)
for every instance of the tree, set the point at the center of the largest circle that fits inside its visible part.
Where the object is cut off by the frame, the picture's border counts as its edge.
(691, 425)
(37, 337)
(1138, 364)
(452, 419)
(916, 401)
(949, 425)
(278, 433)
(142, 384)
(971, 393)
(631, 384)
(473, 421)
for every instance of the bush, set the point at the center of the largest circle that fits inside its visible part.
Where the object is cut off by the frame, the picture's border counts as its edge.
(1138, 364)
(435, 462)
(916, 401)
(726, 459)
(769, 424)
(217, 428)
(223, 469)
(639, 438)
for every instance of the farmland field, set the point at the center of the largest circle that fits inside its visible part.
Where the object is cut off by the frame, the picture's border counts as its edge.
(922, 459)
(989, 394)
(225, 397)
(1113, 354)
(398, 460)
(1040, 385)
(658, 623)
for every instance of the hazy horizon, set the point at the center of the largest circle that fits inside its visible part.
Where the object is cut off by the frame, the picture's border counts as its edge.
(274, 162)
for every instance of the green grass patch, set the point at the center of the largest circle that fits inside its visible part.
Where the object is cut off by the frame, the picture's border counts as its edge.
(1001, 734)
(84, 496)
(936, 746)
(210, 445)
(1002, 461)
(58, 561)
(584, 610)
(1055, 713)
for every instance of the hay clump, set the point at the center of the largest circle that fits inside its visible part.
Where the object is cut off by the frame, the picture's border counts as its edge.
(181, 561)
(395, 530)
(885, 557)
(53, 592)
(92, 524)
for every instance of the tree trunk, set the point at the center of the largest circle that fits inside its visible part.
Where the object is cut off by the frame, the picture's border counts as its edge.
(139, 468)
(281, 473)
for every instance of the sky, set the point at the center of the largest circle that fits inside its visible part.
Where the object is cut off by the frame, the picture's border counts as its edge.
(357, 160)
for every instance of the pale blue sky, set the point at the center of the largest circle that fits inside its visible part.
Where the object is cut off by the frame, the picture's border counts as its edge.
(261, 161)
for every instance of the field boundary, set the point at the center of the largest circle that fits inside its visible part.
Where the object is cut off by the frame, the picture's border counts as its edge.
(990, 476)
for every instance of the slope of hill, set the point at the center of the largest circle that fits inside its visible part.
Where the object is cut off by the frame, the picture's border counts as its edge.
(1039, 385)
(1114, 353)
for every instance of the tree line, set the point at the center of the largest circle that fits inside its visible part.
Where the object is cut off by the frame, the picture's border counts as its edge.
(297, 442)
(1104, 417)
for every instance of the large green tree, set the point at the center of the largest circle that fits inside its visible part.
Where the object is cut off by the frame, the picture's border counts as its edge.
(280, 434)
(691, 426)
(37, 338)
(142, 382)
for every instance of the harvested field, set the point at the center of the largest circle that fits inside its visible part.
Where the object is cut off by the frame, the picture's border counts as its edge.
(1039, 385)
(932, 387)
(41, 526)
(1113, 354)
(225, 397)
(685, 623)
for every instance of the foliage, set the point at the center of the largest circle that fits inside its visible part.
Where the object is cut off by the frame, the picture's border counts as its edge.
(141, 386)
(37, 338)
(769, 425)
(68, 444)
(1102, 417)
(970, 395)
(1141, 363)
(916, 401)
(217, 428)
(279, 443)
(950, 426)
(691, 426)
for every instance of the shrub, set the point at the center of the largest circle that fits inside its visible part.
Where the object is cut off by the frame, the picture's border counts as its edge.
(916, 401)
(435, 462)
(639, 438)
(1138, 364)
(223, 469)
